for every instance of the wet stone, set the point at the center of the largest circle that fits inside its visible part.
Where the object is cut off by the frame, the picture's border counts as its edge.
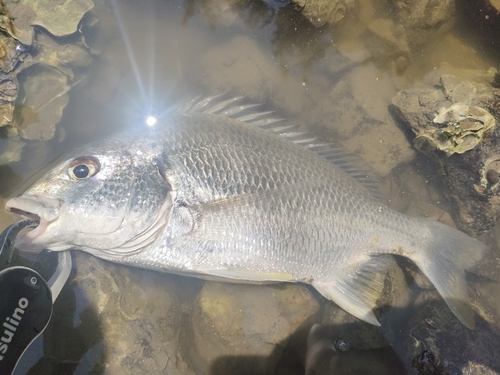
(58, 18)
(222, 73)
(387, 44)
(232, 321)
(8, 88)
(433, 332)
(38, 71)
(355, 111)
(321, 12)
(121, 321)
(10, 150)
(11, 53)
(424, 19)
(454, 119)
(41, 108)
(6, 114)
(64, 57)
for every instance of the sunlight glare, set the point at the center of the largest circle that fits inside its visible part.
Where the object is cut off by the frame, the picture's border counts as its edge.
(151, 120)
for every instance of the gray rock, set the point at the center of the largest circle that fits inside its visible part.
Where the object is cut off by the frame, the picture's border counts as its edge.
(321, 12)
(456, 350)
(454, 119)
(424, 19)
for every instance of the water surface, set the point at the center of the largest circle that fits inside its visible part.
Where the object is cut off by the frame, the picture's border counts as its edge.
(336, 81)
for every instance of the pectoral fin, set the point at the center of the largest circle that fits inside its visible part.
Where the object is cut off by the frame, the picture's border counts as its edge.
(358, 289)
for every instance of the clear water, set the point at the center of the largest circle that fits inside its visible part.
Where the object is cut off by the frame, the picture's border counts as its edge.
(154, 54)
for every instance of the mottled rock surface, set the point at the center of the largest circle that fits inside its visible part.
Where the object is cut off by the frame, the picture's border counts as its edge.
(470, 171)
(231, 321)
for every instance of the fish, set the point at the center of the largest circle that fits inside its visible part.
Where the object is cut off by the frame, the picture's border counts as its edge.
(215, 192)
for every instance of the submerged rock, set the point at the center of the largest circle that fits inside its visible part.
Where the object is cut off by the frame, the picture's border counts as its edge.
(116, 320)
(437, 344)
(58, 18)
(37, 71)
(234, 321)
(355, 112)
(10, 150)
(424, 19)
(454, 120)
(321, 12)
(387, 43)
(41, 107)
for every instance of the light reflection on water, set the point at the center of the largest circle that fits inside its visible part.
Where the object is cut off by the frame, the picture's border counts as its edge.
(140, 321)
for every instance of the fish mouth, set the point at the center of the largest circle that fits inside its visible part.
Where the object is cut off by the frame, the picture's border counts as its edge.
(45, 210)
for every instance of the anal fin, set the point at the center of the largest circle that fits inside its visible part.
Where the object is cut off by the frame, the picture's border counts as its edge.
(358, 289)
(240, 275)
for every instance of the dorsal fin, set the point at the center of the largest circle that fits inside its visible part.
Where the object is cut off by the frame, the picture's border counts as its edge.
(240, 109)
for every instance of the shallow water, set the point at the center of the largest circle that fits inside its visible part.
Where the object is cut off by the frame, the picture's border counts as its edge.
(335, 81)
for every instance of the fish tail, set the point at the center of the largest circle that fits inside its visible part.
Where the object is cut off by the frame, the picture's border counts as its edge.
(448, 253)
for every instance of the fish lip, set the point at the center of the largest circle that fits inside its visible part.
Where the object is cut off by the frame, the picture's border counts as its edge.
(44, 209)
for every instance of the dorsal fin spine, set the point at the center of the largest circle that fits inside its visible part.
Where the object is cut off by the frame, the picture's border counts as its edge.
(236, 108)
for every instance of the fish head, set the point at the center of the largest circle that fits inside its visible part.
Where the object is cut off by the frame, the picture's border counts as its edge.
(111, 197)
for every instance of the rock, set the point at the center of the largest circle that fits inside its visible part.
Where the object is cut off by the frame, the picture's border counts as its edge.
(8, 89)
(10, 150)
(58, 18)
(6, 114)
(45, 68)
(64, 57)
(321, 12)
(387, 44)
(23, 16)
(450, 348)
(11, 53)
(117, 320)
(454, 120)
(42, 106)
(11, 56)
(217, 12)
(223, 67)
(424, 19)
(355, 111)
(230, 321)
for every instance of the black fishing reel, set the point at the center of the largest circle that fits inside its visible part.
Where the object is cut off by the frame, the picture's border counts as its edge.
(26, 298)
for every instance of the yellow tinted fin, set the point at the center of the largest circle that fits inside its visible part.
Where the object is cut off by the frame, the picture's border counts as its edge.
(359, 288)
(242, 275)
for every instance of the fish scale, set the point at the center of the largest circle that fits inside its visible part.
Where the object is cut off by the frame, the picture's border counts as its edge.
(215, 197)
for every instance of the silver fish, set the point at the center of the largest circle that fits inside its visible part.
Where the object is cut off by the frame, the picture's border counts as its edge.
(204, 194)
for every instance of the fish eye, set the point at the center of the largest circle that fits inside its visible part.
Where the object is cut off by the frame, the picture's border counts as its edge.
(83, 168)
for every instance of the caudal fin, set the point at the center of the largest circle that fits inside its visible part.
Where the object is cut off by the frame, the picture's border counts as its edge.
(448, 253)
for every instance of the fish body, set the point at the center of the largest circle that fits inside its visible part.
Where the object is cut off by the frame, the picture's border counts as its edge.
(216, 197)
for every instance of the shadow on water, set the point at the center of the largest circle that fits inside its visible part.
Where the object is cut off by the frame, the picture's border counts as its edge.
(380, 361)
(422, 346)
(479, 25)
(68, 349)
